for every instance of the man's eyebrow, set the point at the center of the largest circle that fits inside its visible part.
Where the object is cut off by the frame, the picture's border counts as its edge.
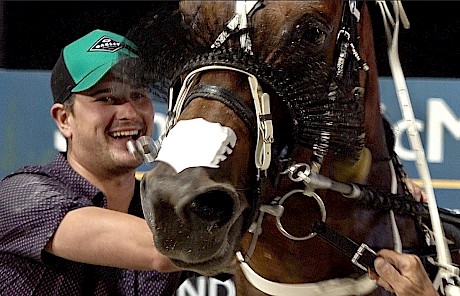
(99, 91)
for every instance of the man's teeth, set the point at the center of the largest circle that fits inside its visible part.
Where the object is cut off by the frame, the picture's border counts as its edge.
(125, 134)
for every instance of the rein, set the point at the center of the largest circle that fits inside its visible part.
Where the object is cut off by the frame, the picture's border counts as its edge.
(448, 279)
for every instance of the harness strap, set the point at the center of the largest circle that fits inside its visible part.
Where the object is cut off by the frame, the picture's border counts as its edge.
(334, 287)
(361, 255)
(239, 23)
(262, 110)
(444, 256)
(264, 122)
(227, 97)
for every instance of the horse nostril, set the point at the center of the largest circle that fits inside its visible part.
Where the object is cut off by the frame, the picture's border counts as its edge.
(214, 207)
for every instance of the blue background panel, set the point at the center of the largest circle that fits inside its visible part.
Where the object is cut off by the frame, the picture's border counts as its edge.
(29, 135)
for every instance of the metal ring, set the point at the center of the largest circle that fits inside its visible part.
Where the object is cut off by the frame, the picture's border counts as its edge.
(278, 219)
(147, 148)
(295, 170)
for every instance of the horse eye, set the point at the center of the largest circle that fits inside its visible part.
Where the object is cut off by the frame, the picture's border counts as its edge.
(310, 33)
(314, 35)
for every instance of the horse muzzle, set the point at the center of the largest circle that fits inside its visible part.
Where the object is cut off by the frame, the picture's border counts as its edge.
(197, 222)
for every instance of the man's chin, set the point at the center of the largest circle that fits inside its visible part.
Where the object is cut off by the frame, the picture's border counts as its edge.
(133, 163)
(127, 160)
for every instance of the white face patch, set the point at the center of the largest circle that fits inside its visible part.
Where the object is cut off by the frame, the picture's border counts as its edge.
(196, 143)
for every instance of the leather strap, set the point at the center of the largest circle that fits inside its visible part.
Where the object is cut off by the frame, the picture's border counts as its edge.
(361, 255)
(227, 97)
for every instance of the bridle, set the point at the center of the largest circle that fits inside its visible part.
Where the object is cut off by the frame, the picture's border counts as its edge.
(261, 115)
(259, 120)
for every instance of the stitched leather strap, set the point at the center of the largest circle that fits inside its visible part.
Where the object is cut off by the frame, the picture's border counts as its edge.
(361, 255)
(227, 97)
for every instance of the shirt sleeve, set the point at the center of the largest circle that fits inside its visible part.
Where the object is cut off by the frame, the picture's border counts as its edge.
(31, 208)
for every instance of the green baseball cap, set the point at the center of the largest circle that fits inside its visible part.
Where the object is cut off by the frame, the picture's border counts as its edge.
(85, 61)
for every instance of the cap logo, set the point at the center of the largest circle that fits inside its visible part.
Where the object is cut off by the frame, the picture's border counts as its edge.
(106, 44)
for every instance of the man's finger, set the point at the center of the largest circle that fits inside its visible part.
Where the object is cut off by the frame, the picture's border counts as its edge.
(385, 285)
(388, 274)
(399, 262)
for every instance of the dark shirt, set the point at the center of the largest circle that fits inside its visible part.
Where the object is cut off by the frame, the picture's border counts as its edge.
(33, 202)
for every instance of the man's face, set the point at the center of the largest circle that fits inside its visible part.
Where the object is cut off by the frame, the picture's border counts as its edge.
(103, 120)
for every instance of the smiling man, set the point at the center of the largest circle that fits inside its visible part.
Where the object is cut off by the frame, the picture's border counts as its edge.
(75, 226)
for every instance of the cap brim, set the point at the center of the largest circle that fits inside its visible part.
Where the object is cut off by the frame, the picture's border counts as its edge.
(93, 77)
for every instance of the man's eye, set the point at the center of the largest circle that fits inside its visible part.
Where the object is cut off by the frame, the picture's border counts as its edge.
(107, 100)
(136, 96)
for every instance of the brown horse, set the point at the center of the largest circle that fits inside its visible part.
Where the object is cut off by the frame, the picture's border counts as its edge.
(274, 118)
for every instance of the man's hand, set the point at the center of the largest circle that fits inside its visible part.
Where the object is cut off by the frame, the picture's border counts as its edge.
(402, 274)
(416, 191)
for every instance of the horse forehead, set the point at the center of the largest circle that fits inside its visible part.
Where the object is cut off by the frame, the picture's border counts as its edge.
(286, 11)
(296, 9)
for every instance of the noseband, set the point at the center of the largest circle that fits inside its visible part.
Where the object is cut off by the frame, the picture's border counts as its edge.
(258, 121)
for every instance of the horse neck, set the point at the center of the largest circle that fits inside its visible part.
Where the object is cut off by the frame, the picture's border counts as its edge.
(376, 138)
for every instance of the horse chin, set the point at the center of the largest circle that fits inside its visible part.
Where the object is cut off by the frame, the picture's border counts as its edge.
(209, 259)
(223, 264)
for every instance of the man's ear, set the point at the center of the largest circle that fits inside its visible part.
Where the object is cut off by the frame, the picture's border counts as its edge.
(61, 115)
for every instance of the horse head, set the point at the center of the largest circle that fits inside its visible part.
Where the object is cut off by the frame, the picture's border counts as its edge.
(264, 93)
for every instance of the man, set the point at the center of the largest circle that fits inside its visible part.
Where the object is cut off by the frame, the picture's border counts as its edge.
(402, 274)
(75, 226)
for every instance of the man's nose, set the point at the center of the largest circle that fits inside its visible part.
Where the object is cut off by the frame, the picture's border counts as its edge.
(127, 110)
